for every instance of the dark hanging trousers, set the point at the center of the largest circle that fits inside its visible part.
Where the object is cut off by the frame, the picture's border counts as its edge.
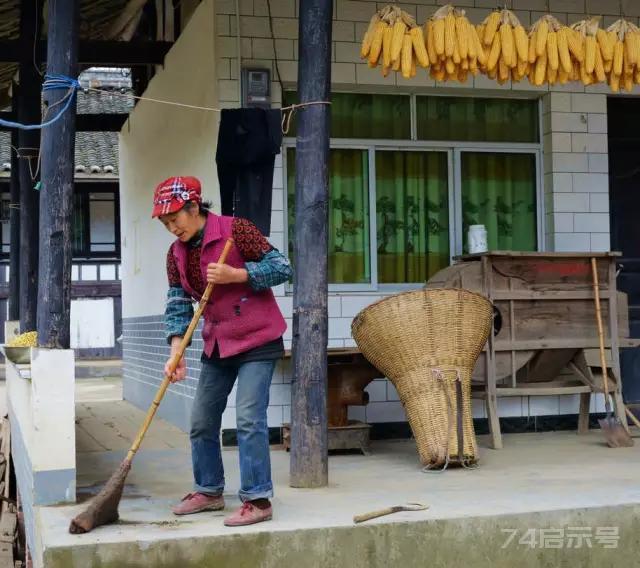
(248, 141)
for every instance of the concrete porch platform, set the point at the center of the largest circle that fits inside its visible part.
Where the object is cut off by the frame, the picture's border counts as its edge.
(539, 481)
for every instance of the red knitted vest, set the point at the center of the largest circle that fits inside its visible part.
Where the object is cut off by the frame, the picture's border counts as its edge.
(237, 317)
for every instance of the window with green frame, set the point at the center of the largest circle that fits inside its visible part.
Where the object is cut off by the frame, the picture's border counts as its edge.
(390, 206)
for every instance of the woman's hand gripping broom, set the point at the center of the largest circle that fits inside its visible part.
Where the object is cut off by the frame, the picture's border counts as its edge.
(103, 509)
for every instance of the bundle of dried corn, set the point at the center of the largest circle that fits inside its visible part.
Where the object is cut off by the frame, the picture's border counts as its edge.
(556, 52)
(508, 46)
(586, 41)
(394, 39)
(453, 45)
(621, 42)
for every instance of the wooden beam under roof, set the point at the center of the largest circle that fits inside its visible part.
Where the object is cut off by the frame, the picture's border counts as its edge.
(96, 52)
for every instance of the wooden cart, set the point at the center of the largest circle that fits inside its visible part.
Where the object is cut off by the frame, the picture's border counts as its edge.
(545, 323)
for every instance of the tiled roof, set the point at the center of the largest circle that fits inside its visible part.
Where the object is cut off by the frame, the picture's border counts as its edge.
(96, 20)
(96, 152)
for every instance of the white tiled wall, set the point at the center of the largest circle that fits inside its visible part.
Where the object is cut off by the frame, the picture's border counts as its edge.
(576, 171)
(575, 164)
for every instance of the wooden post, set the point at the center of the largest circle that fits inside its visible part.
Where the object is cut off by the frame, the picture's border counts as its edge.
(56, 194)
(14, 226)
(309, 463)
(28, 142)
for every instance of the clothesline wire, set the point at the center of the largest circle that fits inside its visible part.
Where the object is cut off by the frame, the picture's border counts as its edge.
(54, 81)
(292, 107)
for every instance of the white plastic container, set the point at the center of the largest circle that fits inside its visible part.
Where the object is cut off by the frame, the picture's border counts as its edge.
(477, 239)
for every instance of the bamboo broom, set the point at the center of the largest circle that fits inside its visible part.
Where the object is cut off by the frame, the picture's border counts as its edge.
(103, 509)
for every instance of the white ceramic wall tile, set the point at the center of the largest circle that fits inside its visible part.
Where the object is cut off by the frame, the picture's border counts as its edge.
(352, 305)
(280, 394)
(358, 413)
(385, 412)
(478, 408)
(392, 393)
(510, 406)
(229, 419)
(274, 416)
(543, 406)
(569, 404)
(377, 390)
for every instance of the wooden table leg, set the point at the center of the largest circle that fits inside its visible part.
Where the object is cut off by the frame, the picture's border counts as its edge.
(494, 422)
(583, 417)
(618, 404)
(491, 391)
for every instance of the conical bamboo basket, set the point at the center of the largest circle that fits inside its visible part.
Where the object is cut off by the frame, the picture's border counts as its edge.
(426, 342)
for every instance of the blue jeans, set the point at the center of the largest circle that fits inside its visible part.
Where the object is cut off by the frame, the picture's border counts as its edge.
(252, 400)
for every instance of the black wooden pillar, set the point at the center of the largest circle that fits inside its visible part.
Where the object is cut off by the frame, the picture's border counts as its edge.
(56, 194)
(309, 463)
(14, 225)
(28, 142)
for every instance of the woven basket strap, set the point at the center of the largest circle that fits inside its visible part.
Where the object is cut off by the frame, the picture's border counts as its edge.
(457, 420)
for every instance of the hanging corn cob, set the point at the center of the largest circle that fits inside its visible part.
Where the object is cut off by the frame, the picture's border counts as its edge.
(454, 48)
(501, 48)
(624, 48)
(559, 54)
(551, 59)
(585, 45)
(508, 46)
(394, 39)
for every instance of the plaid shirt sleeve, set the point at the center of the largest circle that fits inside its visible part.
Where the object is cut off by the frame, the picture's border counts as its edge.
(272, 269)
(178, 312)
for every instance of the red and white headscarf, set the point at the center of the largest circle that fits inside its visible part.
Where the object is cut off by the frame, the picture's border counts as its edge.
(172, 194)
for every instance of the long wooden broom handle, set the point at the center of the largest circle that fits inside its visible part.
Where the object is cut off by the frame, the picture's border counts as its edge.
(632, 416)
(177, 357)
(603, 362)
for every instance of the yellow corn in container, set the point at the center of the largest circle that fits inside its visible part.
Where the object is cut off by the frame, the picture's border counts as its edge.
(28, 339)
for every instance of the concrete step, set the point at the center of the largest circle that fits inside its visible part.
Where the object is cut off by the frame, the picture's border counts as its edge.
(90, 368)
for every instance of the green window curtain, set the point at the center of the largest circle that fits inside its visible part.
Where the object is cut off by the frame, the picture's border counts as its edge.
(472, 119)
(355, 115)
(499, 192)
(412, 215)
(349, 227)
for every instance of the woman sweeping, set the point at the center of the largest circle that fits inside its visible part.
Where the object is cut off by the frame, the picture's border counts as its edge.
(242, 336)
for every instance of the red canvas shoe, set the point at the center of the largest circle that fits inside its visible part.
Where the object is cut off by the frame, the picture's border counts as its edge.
(248, 514)
(198, 502)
